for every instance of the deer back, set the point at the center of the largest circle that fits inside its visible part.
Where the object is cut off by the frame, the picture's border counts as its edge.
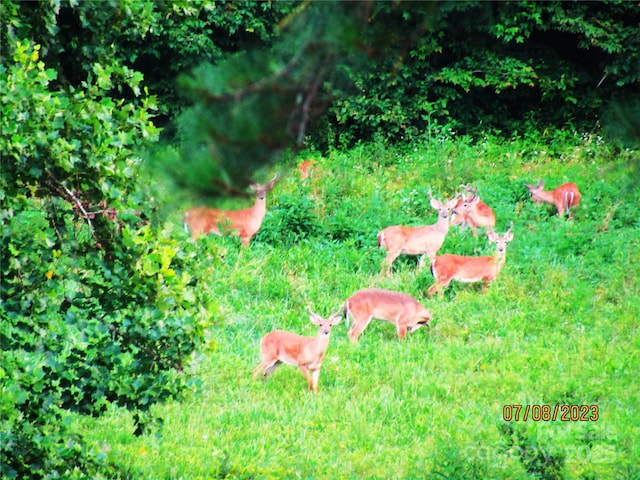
(288, 347)
(386, 305)
(245, 222)
(419, 240)
(464, 269)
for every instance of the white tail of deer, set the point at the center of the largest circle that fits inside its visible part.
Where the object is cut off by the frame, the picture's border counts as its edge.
(244, 223)
(398, 308)
(470, 269)
(472, 211)
(423, 241)
(563, 198)
(307, 353)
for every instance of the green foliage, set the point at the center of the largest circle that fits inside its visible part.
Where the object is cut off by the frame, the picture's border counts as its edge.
(291, 220)
(159, 39)
(380, 70)
(251, 106)
(473, 67)
(95, 303)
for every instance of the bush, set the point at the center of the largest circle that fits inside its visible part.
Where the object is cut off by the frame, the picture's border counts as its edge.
(96, 304)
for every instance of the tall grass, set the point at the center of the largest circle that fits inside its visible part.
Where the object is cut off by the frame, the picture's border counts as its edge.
(559, 326)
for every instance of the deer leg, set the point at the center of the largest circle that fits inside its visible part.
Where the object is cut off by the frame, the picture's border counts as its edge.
(315, 375)
(436, 288)
(388, 262)
(357, 328)
(401, 329)
(305, 371)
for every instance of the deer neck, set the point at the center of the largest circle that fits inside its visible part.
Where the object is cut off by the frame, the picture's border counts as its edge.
(498, 259)
(260, 205)
(322, 342)
(545, 196)
(442, 225)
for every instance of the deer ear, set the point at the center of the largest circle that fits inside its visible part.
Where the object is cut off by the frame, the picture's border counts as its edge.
(314, 317)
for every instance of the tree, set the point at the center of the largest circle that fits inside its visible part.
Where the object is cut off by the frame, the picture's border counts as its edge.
(96, 305)
(473, 67)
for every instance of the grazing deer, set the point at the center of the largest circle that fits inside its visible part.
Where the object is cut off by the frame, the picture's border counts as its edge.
(398, 308)
(470, 269)
(472, 211)
(245, 223)
(307, 353)
(564, 197)
(423, 241)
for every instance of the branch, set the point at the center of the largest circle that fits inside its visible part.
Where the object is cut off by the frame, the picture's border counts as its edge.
(75, 200)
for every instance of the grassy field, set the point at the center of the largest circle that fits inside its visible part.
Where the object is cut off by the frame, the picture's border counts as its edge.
(559, 326)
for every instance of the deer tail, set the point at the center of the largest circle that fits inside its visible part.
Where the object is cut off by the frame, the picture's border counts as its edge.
(345, 313)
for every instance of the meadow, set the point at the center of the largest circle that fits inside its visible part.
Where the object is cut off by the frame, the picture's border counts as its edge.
(559, 326)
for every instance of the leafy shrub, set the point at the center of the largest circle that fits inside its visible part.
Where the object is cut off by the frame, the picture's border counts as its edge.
(96, 305)
(291, 220)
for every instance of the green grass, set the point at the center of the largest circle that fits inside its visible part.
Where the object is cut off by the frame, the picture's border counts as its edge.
(560, 325)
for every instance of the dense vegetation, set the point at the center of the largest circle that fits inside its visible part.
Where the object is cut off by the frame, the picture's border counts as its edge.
(108, 311)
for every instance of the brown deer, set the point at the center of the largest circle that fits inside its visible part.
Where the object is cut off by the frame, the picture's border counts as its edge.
(472, 211)
(398, 308)
(485, 269)
(563, 198)
(306, 168)
(307, 353)
(244, 223)
(423, 241)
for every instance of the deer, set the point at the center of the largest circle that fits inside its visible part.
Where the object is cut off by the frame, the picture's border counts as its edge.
(563, 198)
(423, 241)
(472, 211)
(307, 353)
(306, 168)
(244, 223)
(464, 269)
(398, 308)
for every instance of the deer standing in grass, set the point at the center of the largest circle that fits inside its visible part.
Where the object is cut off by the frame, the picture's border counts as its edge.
(244, 223)
(307, 353)
(485, 269)
(423, 241)
(306, 168)
(398, 308)
(473, 212)
(563, 198)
